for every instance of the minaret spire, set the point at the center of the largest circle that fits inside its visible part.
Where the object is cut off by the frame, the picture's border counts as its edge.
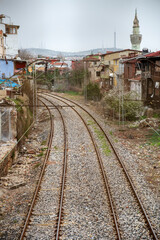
(136, 12)
(136, 38)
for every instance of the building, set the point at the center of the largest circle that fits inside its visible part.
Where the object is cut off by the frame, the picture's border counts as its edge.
(6, 68)
(10, 32)
(136, 37)
(112, 69)
(93, 68)
(142, 75)
(9, 67)
(132, 76)
(150, 78)
(2, 45)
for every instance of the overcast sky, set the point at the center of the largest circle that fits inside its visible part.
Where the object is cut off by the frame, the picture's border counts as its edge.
(75, 25)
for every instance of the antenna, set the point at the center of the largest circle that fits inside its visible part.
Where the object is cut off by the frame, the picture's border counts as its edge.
(114, 39)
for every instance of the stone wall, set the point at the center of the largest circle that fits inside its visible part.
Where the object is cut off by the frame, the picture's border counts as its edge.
(15, 121)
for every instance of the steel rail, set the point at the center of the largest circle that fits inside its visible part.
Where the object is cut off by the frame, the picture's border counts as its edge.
(41, 175)
(102, 171)
(121, 163)
(63, 172)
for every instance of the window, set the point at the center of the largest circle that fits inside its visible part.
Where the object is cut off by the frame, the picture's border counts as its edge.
(102, 69)
(98, 74)
(11, 30)
(14, 30)
(7, 30)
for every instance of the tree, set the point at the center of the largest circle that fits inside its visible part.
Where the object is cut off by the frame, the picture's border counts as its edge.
(24, 54)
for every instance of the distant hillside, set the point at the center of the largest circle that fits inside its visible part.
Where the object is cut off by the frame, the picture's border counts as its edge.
(52, 53)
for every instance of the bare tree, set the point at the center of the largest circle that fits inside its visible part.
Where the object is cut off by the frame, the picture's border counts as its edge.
(24, 54)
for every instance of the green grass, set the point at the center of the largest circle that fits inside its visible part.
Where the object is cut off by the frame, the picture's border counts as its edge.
(72, 93)
(36, 165)
(40, 154)
(90, 122)
(44, 142)
(43, 149)
(153, 138)
(18, 103)
(156, 115)
(101, 137)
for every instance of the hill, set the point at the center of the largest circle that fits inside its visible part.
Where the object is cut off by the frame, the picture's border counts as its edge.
(52, 53)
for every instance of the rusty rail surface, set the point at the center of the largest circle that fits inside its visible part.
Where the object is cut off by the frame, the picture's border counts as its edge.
(40, 177)
(152, 232)
(65, 157)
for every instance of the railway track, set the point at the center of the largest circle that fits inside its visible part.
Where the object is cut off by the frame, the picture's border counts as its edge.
(27, 220)
(27, 232)
(147, 228)
(60, 208)
(61, 225)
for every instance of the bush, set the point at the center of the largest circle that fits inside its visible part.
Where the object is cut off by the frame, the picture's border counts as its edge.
(131, 108)
(93, 92)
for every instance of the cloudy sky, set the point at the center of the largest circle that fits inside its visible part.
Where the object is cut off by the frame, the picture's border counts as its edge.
(75, 25)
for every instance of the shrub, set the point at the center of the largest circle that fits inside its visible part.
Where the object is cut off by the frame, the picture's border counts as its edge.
(131, 108)
(93, 92)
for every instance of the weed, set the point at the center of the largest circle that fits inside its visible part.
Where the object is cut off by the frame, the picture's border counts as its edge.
(90, 122)
(15, 221)
(18, 103)
(43, 149)
(44, 142)
(40, 154)
(36, 165)
(55, 148)
(156, 115)
(102, 139)
(153, 139)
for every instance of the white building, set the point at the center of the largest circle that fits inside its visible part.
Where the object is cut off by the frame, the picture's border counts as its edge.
(2, 45)
(11, 36)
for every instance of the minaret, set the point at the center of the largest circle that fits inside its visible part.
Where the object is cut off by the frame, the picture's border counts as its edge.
(136, 38)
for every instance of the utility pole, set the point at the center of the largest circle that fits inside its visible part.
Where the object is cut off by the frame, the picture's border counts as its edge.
(0, 127)
(85, 82)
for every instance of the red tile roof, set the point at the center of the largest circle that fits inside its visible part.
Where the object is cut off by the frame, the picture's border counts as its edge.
(153, 54)
(60, 63)
(91, 59)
